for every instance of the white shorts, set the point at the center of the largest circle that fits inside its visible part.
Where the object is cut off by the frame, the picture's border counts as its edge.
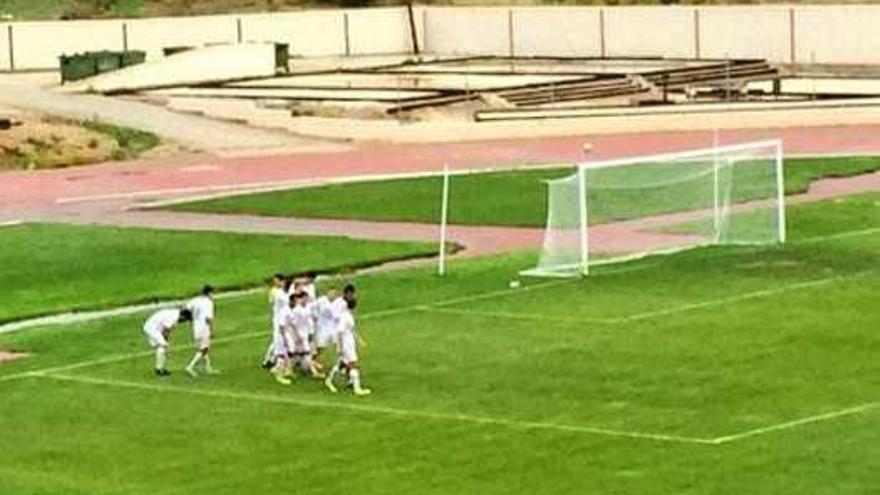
(347, 348)
(156, 339)
(325, 337)
(202, 339)
(281, 344)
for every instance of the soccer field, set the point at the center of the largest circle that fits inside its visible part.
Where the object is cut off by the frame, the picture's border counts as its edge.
(713, 371)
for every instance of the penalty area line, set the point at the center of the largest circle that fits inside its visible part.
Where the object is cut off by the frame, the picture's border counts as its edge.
(797, 422)
(388, 411)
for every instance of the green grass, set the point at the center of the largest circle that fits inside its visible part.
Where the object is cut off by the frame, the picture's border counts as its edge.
(506, 198)
(132, 142)
(461, 396)
(54, 268)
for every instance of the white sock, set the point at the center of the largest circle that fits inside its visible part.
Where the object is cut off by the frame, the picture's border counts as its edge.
(333, 372)
(270, 352)
(195, 360)
(354, 376)
(160, 358)
(207, 358)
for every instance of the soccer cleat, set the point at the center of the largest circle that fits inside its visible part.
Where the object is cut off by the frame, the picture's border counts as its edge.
(191, 372)
(212, 371)
(267, 365)
(282, 380)
(162, 372)
(362, 391)
(329, 384)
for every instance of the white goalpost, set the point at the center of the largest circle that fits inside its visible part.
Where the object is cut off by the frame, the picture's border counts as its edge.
(617, 210)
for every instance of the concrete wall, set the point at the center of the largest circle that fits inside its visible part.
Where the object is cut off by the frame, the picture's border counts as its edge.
(744, 32)
(4, 48)
(649, 31)
(576, 31)
(465, 30)
(783, 34)
(378, 31)
(309, 34)
(151, 35)
(837, 35)
(37, 45)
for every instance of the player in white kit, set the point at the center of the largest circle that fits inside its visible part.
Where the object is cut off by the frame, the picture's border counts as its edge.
(279, 300)
(301, 323)
(348, 357)
(158, 331)
(202, 308)
(326, 321)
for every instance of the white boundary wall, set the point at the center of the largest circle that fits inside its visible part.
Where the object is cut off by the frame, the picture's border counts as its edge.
(826, 34)
(576, 31)
(649, 31)
(742, 32)
(308, 34)
(4, 47)
(840, 34)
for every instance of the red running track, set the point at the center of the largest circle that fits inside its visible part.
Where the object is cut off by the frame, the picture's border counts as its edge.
(21, 191)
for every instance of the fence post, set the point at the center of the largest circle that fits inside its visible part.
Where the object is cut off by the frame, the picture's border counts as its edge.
(425, 29)
(697, 33)
(125, 36)
(239, 33)
(602, 33)
(11, 48)
(346, 34)
(510, 49)
(791, 37)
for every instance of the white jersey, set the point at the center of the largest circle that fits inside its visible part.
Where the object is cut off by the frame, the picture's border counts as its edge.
(202, 308)
(338, 306)
(301, 320)
(279, 300)
(347, 338)
(160, 320)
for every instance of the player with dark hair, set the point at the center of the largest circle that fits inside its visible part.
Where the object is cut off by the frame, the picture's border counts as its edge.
(158, 331)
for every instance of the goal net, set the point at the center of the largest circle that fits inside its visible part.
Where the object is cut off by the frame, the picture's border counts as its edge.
(623, 209)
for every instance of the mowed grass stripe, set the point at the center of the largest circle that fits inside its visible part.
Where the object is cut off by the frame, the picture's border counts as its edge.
(366, 408)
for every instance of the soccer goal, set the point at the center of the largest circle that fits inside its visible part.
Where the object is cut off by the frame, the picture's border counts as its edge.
(618, 210)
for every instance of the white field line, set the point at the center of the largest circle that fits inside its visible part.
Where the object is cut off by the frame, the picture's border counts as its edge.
(389, 411)
(83, 316)
(798, 422)
(512, 315)
(227, 190)
(842, 235)
(742, 297)
(438, 308)
(11, 223)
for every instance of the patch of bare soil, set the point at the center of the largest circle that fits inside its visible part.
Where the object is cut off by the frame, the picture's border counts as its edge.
(43, 142)
(7, 356)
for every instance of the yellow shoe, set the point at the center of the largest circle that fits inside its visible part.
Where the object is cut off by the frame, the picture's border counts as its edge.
(330, 386)
(362, 391)
(282, 380)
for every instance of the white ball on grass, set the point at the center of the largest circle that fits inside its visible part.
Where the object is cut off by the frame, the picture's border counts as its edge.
(514, 284)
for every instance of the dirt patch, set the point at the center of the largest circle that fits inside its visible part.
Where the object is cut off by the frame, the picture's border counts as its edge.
(7, 356)
(43, 142)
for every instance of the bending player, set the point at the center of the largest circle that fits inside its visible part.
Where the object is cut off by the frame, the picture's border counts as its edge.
(202, 308)
(158, 331)
(348, 358)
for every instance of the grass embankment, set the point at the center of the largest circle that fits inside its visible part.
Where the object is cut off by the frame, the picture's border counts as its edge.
(505, 198)
(51, 268)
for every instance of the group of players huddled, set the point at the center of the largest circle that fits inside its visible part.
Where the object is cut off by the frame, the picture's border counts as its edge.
(304, 325)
